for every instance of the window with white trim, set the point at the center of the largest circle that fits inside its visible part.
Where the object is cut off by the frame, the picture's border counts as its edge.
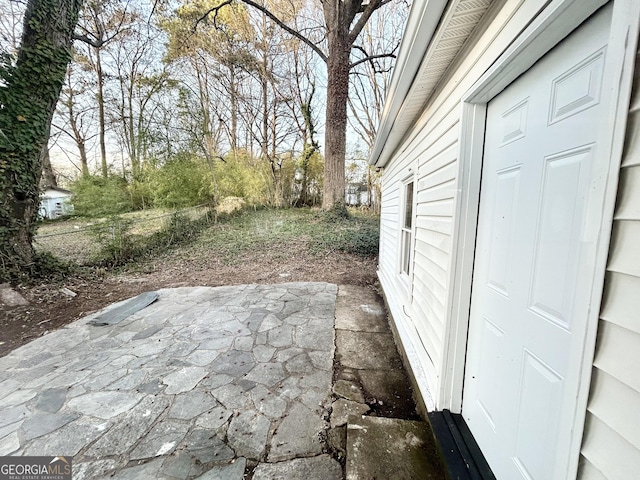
(407, 230)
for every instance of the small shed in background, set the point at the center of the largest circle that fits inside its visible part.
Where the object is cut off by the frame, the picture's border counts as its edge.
(55, 202)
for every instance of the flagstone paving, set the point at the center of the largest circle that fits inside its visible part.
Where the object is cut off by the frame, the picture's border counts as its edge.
(204, 383)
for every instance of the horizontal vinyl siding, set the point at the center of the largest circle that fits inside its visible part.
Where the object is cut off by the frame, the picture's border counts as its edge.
(435, 201)
(389, 215)
(418, 347)
(608, 452)
(432, 147)
(611, 443)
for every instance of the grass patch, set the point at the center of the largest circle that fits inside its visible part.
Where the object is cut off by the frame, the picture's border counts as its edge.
(271, 235)
(121, 244)
(275, 231)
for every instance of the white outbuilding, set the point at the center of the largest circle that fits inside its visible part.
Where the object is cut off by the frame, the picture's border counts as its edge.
(55, 202)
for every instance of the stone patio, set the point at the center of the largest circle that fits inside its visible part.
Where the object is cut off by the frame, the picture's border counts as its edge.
(204, 383)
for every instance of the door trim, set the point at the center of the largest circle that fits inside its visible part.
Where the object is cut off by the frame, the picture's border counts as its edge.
(553, 24)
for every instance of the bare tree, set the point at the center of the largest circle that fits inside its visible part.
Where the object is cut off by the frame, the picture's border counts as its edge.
(141, 78)
(11, 14)
(102, 23)
(76, 116)
(370, 79)
(343, 23)
(217, 56)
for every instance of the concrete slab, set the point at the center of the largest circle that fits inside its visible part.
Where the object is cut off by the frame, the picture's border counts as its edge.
(389, 388)
(342, 409)
(366, 350)
(359, 309)
(322, 467)
(348, 390)
(391, 449)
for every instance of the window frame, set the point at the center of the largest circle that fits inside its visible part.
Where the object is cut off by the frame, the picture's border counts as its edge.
(407, 227)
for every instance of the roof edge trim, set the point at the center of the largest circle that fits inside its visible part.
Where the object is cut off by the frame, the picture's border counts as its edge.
(424, 18)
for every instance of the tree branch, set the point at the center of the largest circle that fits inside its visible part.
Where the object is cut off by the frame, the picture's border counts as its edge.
(371, 57)
(364, 18)
(287, 28)
(213, 10)
(98, 42)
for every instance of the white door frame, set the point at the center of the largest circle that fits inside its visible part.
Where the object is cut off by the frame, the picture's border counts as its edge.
(553, 24)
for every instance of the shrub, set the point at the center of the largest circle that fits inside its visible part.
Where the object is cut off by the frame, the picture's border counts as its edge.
(47, 266)
(363, 241)
(244, 177)
(337, 213)
(179, 228)
(183, 181)
(96, 196)
(350, 233)
(117, 243)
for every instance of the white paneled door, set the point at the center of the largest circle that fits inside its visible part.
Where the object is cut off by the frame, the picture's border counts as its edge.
(532, 280)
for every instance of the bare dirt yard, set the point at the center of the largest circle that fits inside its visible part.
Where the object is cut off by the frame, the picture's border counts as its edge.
(265, 247)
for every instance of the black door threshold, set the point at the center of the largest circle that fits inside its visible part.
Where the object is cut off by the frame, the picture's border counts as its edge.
(462, 456)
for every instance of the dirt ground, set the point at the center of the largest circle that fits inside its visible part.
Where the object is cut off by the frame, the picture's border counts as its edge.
(49, 308)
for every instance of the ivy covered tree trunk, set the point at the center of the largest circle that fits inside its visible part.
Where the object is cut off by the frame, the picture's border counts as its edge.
(29, 91)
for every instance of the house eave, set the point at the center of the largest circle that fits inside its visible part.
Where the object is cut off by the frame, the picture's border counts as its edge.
(423, 20)
(436, 32)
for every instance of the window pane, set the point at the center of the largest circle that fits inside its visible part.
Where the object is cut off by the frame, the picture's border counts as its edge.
(408, 206)
(406, 251)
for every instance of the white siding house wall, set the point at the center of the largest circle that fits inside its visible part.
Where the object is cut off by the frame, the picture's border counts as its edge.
(421, 303)
(431, 150)
(611, 443)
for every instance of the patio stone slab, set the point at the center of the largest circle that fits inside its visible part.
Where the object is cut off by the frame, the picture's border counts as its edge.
(232, 471)
(299, 433)
(130, 428)
(184, 379)
(247, 434)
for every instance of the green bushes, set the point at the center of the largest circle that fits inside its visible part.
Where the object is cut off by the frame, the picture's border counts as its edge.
(183, 181)
(117, 243)
(362, 240)
(186, 180)
(96, 196)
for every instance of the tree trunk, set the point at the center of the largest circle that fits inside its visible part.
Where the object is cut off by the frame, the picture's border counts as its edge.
(78, 137)
(100, 99)
(133, 142)
(50, 179)
(234, 110)
(335, 138)
(49, 175)
(28, 98)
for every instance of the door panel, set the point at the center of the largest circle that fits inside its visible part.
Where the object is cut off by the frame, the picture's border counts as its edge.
(503, 227)
(537, 422)
(560, 220)
(530, 299)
